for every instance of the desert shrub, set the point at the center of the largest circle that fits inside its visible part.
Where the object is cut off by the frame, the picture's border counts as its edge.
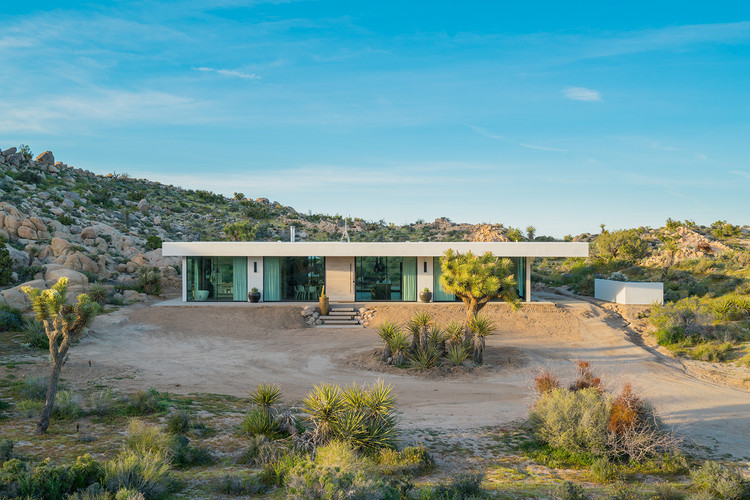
(6, 450)
(145, 403)
(722, 229)
(731, 307)
(568, 490)
(339, 455)
(6, 272)
(147, 473)
(398, 345)
(34, 334)
(586, 378)
(603, 469)
(744, 360)
(575, 421)
(464, 485)
(153, 242)
(29, 408)
(685, 319)
(263, 452)
(10, 318)
(186, 455)
(309, 481)
(424, 358)
(412, 460)
(179, 422)
(98, 293)
(625, 244)
(714, 478)
(29, 177)
(103, 402)
(667, 492)
(65, 220)
(67, 406)
(148, 280)
(144, 437)
(386, 331)
(240, 485)
(47, 480)
(545, 382)
(33, 388)
(710, 351)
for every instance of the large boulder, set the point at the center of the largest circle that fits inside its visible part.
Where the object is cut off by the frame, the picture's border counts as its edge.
(46, 158)
(54, 273)
(91, 232)
(15, 297)
(143, 206)
(19, 257)
(60, 246)
(79, 262)
(25, 231)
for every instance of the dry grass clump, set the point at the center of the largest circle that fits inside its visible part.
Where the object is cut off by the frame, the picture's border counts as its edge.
(586, 378)
(545, 382)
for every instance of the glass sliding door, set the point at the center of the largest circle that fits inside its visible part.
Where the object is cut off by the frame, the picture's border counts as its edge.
(293, 278)
(217, 279)
(438, 292)
(386, 278)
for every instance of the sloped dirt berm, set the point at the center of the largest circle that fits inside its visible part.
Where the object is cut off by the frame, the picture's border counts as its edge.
(230, 349)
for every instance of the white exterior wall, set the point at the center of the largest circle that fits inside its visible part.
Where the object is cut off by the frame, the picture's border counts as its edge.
(629, 292)
(424, 279)
(255, 279)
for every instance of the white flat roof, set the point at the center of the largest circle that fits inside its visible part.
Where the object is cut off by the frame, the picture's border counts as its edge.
(370, 249)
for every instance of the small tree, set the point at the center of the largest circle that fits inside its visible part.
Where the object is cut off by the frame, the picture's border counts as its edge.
(241, 231)
(625, 244)
(478, 279)
(530, 233)
(63, 324)
(6, 265)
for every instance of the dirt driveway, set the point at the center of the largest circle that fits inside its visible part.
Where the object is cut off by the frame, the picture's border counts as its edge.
(229, 349)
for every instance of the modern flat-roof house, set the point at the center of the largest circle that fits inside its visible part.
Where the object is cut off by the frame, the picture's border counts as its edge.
(351, 272)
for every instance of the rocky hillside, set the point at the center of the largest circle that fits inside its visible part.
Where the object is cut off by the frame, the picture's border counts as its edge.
(58, 220)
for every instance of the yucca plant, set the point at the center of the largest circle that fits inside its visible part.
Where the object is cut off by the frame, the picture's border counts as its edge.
(417, 325)
(380, 401)
(386, 332)
(480, 326)
(454, 333)
(425, 358)
(265, 396)
(437, 337)
(399, 344)
(457, 354)
(322, 406)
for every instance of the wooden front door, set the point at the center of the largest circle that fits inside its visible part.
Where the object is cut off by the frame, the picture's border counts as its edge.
(340, 279)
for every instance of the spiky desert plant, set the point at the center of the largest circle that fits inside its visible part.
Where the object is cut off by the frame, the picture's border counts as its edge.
(425, 358)
(455, 333)
(98, 293)
(436, 336)
(63, 324)
(386, 331)
(457, 354)
(399, 344)
(265, 396)
(418, 327)
(480, 326)
(380, 402)
(321, 407)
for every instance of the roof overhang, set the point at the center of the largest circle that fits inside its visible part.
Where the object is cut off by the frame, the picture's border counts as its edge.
(370, 249)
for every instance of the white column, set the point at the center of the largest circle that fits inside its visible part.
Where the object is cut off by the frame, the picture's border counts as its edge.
(424, 274)
(184, 279)
(527, 286)
(255, 275)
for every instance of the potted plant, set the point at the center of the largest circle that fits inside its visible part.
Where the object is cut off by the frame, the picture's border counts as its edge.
(323, 301)
(425, 295)
(254, 295)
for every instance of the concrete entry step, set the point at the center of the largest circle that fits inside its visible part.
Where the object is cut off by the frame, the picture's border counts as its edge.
(335, 312)
(338, 326)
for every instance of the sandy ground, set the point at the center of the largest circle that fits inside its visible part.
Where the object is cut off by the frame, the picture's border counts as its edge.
(231, 349)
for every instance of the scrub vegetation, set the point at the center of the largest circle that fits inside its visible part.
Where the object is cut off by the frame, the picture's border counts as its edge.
(706, 275)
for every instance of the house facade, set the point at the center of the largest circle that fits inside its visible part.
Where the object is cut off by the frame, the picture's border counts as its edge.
(350, 272)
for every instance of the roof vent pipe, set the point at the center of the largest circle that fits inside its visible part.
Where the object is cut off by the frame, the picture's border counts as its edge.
(291, 233)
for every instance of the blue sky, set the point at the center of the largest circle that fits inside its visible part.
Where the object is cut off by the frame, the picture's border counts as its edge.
(563, 115)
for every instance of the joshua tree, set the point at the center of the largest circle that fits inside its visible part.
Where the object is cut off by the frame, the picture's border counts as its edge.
(64, 324)
(478, 279)
(530, 233)
(480, 327)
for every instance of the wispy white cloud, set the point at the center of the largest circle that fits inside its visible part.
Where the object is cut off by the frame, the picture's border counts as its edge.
(486, 132)
(229, 72)
(740, 173)
(582, 94)
(541, 148)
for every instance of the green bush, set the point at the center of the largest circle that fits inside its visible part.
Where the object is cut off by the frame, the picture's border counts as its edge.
(33, 388)
(103, 403)
(464, 485)
(10, 318)
(575, 421)
(714, 478)
(711, 351)
(146, 472)
(148, 280)
(263, 452)
(411, 461)
(179, 422)
(240, 485)
(260, 422)
(307, 481)
(568, 490)
(34, 334)
(731, 307)
(46, 480)
(67, 406)
(6, 273)
(145, 403)
(153, 242)
(340, 455)
(65, 220)
(603, 469)
(6, 450)
(147, 438)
